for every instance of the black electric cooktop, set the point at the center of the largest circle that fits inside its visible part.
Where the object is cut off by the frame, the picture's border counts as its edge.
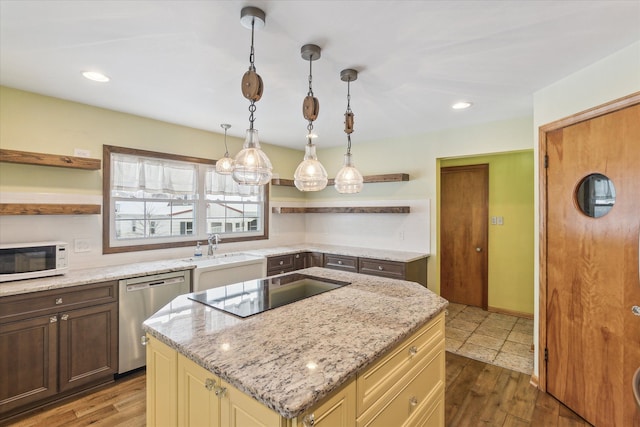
(251, 297)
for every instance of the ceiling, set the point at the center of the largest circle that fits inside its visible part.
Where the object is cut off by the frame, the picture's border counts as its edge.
(182, 61)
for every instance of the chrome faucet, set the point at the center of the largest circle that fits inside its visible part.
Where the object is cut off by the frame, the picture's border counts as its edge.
(213, 239)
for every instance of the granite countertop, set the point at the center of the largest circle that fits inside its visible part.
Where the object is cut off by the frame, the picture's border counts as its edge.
(383, 254)
(290, 357)
(77, 277)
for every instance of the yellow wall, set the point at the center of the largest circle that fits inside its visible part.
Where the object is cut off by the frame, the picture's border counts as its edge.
(32, 122)
(511, 254)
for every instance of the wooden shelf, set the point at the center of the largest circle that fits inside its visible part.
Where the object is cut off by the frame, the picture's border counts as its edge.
(28, 158)
(48, 209)
(357, 209)
(370, 179)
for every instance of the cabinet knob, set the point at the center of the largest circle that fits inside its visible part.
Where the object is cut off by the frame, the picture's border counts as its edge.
(380, 268)
(58, 301)
(65, 317)
(340, 262)
(413, 401)
(309, 420)
(297, 255)
(413, 350)
(209, 384)
(144, 340)
(220, 391)
(53, 319)
(281, 262)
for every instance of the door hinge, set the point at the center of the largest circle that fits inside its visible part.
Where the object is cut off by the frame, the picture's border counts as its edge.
(546, 354)
(546, 161)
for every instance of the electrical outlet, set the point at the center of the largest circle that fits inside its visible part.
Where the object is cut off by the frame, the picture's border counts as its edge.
(494, 220)
(81, 245)
(79, 152)
(500, 220)
(401, 235)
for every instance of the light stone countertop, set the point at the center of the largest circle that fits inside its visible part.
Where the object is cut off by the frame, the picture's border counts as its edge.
(382, 254)
(268, 355)
(77, 277)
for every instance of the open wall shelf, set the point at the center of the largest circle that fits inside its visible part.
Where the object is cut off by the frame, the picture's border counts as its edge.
(48, 209)
(392, 177)
(356, 209)
(29, 158)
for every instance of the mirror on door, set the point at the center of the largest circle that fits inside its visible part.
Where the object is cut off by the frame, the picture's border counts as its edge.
(595, 195)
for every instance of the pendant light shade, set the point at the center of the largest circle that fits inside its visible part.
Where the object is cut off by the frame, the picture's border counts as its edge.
(310, 175)
(224, 166)
(348, 180)
(252, 166)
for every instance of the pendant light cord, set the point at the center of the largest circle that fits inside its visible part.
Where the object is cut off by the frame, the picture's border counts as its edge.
(310, 93)
(252, 67)
(348, 112)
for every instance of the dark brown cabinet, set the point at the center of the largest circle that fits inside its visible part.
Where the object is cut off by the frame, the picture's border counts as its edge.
(56, 342)
(341, 262)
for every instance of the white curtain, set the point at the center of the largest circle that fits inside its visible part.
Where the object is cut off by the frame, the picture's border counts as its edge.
(133, 173)
(217, 184)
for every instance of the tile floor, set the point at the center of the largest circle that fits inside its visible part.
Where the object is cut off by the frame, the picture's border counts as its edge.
(499, 339)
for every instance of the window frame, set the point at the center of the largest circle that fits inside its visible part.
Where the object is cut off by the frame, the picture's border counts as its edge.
(145, 244)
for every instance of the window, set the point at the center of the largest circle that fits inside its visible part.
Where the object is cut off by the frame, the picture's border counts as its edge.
(155, 200)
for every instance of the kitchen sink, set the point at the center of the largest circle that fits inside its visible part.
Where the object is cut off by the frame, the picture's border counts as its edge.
(223, 269)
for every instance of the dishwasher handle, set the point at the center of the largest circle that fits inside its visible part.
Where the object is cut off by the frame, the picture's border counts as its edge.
(155, 283)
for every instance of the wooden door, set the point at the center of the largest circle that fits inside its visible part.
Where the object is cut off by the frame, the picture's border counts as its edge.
(464, 199)
(592, 336)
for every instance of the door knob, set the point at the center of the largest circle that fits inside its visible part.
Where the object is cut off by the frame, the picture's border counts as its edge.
(478, 249)
(635, 310)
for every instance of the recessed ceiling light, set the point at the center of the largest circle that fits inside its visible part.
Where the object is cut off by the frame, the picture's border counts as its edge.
(461, 105)
(95, 76)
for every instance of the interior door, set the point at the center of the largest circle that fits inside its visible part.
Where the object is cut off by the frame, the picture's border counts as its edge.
(464, 217)
(593, 337)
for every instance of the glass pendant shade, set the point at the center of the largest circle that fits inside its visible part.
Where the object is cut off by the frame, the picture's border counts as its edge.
(224, 166)
(348, 180)
(252, 166)
(310, 174)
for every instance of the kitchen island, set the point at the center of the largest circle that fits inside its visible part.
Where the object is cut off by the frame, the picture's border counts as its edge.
(362, 354)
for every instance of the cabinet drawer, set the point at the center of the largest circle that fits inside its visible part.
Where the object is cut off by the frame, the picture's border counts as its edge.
(341, 262)
(410, 402)
(280, 264)
(21, 306)
(378, 379)
(378, 267)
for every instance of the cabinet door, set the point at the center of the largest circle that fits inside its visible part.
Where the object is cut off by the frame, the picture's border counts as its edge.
(338, 410)
(279, 264)
(88, 345)
(162, 384)
(240, 410)
(28, 361)
(300, 260)
(198, 404)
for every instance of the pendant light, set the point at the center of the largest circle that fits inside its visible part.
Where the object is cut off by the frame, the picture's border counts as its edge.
(348, 180)
(252, 166)
(224, 166)
(310, 175)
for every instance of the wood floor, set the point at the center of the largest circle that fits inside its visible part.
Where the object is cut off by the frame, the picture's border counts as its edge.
(477, 394)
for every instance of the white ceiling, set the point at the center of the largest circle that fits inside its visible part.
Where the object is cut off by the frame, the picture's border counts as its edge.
(182, 61)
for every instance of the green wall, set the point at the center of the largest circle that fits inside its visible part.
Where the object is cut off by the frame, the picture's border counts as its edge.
(511, 246)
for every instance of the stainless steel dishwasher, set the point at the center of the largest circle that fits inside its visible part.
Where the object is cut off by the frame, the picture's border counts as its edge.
(140, 297)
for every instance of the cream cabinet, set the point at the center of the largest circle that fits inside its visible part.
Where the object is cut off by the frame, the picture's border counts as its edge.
(405, 387)
(162, 384)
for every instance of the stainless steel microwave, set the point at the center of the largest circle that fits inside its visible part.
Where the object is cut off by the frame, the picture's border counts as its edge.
(30, 260)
